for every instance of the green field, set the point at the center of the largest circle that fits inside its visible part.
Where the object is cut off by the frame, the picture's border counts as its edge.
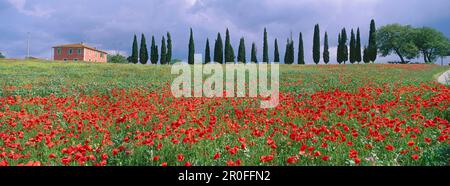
(58, 113)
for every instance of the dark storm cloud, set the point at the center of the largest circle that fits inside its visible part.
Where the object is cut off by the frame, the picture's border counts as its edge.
(110, 24)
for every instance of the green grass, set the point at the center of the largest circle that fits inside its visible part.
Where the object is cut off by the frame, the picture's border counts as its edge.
(83, 83)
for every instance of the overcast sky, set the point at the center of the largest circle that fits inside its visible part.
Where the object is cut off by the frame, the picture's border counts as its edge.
(110, 24)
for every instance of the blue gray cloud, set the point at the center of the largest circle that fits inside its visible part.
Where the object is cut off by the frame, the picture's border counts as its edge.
(110, 24)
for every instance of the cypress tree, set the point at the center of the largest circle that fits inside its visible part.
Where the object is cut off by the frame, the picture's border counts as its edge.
(352, 47)
(344, 47)
(276, 53)
(339, 49)
(316, 44)
(169, 48)
(191, 48)
(358, 46)
(326, 53)
(289, 53)
(229, 52)
(301, 53)
(218, 49)
(143, 52)
(366, 55)
(154, 52)
(163, 59)
(241, 51)
(207, 52)
(372, 48)
(265, 48)
(254, 59)
(134, 58)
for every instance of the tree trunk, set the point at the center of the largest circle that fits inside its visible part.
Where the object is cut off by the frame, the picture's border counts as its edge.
(399, 55)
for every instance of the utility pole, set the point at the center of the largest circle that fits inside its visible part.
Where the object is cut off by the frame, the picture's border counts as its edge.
(28, 45)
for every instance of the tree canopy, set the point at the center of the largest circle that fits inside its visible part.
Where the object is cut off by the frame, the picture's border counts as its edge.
(397, 39)
(117, 58)
(430, 43)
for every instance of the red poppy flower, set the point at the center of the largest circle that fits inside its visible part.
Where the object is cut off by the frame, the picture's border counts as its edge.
(187, 164)
(357, 160)
(317, 153)
(66, 160)
(238, 162)
(155, 158)
(216, 156)
(325, 158)
(104, 156)
(292, 160)
(180, 157)
(230, 163)
(353, 153)
(389, 147)
(266, 158)
(233, 150)
(164, 164)
(410, 143)
(415, 156)
(115, 152)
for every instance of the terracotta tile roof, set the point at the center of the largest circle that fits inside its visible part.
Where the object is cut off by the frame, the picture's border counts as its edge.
(78, 45)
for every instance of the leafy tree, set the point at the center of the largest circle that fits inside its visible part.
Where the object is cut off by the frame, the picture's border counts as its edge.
(154, 52)
(352, 47)
(143, 53)
(218, 49)
(265, 48)
(301, 52)
(134, 58)
(2, 56)
(398, 39)
(326, 53)
(117, 58)
(289, 53)
(366, 58)
(229, 52)
(316, 44)
(241, 51)
(430, 43)
(207, 52)
(372, 42)
(169, 48)
(163, 59)
(276, 53)
(191, 48)
(254, 59)
(358, 46)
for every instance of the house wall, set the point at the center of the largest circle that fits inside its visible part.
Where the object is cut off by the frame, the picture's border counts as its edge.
(65, 54)
(94, 56)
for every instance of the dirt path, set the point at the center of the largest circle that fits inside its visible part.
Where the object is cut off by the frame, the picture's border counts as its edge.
(445, 78)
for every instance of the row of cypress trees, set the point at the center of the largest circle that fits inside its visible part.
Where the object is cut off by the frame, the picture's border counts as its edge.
(225, 52)
(344, 52)
(141, 54)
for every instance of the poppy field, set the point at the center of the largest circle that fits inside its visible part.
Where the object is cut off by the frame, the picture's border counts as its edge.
(81, 114)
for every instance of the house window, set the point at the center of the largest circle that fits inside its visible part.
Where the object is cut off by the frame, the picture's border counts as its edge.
(65, 59)
(75, 59)
(59, 51)
(70, 51)
(79, 51)
(101, 55)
